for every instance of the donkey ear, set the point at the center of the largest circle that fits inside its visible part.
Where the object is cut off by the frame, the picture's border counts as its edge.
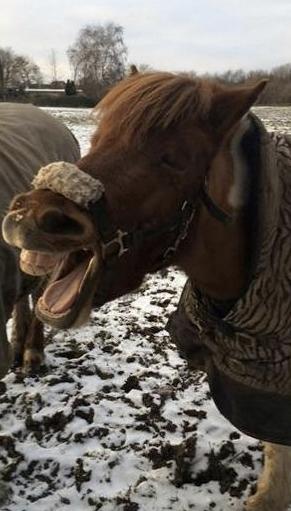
(229, 105)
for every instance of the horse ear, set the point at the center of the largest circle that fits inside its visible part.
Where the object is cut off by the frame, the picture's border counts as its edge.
(229, 105)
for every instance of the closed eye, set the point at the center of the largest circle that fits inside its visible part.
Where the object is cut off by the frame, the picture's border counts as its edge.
(167, 162)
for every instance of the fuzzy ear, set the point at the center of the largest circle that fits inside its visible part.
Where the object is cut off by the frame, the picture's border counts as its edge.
(229, 105)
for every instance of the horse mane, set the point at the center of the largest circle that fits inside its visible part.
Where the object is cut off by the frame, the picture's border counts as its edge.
(143, 102)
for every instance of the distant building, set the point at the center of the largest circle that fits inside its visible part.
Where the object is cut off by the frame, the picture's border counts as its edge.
(47, 90)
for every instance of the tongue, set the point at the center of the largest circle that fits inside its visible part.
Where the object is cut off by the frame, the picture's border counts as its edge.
(61, 295)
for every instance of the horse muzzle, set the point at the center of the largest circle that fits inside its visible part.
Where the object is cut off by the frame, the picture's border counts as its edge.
(21, 231)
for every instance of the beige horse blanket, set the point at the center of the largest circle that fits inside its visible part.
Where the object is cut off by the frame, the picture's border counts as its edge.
(29, 139)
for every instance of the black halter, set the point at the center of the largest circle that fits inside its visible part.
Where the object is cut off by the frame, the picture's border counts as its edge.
(116, 242)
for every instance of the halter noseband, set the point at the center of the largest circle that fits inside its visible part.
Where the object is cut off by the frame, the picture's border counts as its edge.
(116, 242)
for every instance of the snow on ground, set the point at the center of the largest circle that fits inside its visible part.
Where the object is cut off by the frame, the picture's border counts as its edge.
(116, 422)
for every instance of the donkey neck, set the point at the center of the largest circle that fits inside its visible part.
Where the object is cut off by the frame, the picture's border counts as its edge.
(216, 256)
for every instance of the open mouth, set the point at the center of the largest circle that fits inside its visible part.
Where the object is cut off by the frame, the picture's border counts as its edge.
(66, 300)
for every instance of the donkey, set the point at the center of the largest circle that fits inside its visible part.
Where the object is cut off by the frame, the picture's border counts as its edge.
(29, 138)
(181, 173)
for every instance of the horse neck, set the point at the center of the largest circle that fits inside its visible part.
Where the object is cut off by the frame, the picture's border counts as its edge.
(215, 255)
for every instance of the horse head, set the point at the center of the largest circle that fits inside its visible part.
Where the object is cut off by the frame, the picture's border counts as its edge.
(161, 168)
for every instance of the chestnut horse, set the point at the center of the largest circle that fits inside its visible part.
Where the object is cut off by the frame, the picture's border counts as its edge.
(180, 173)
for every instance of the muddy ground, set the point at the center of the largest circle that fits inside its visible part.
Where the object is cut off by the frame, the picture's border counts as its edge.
(116, 422)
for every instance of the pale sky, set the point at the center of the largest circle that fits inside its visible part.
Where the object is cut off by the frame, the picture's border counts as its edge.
(177, 35)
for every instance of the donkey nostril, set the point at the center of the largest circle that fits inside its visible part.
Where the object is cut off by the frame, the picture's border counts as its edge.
(55, 222)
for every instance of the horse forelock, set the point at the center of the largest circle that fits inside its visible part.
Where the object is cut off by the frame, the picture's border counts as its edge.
(142, 103)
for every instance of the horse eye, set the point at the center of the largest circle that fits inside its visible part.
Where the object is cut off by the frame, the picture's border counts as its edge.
(167, 162)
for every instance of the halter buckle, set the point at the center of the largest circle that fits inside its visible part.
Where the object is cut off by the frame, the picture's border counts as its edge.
(119, 239)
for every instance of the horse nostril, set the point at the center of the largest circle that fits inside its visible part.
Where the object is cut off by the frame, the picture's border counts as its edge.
(56, 222)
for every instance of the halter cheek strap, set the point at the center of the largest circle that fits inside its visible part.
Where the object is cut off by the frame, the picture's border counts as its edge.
(116, 242)
(213, 209)
(89, 193)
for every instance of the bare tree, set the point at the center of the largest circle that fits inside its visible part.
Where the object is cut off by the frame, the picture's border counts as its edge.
(98, 58)
(231, 76)
(6, 68)
(16, 71)
(282, 72)
(25, 72)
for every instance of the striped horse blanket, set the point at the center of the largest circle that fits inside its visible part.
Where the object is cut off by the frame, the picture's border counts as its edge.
(245, 345)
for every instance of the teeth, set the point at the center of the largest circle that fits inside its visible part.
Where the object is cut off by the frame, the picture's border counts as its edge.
(18, 217)
(36, 263)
